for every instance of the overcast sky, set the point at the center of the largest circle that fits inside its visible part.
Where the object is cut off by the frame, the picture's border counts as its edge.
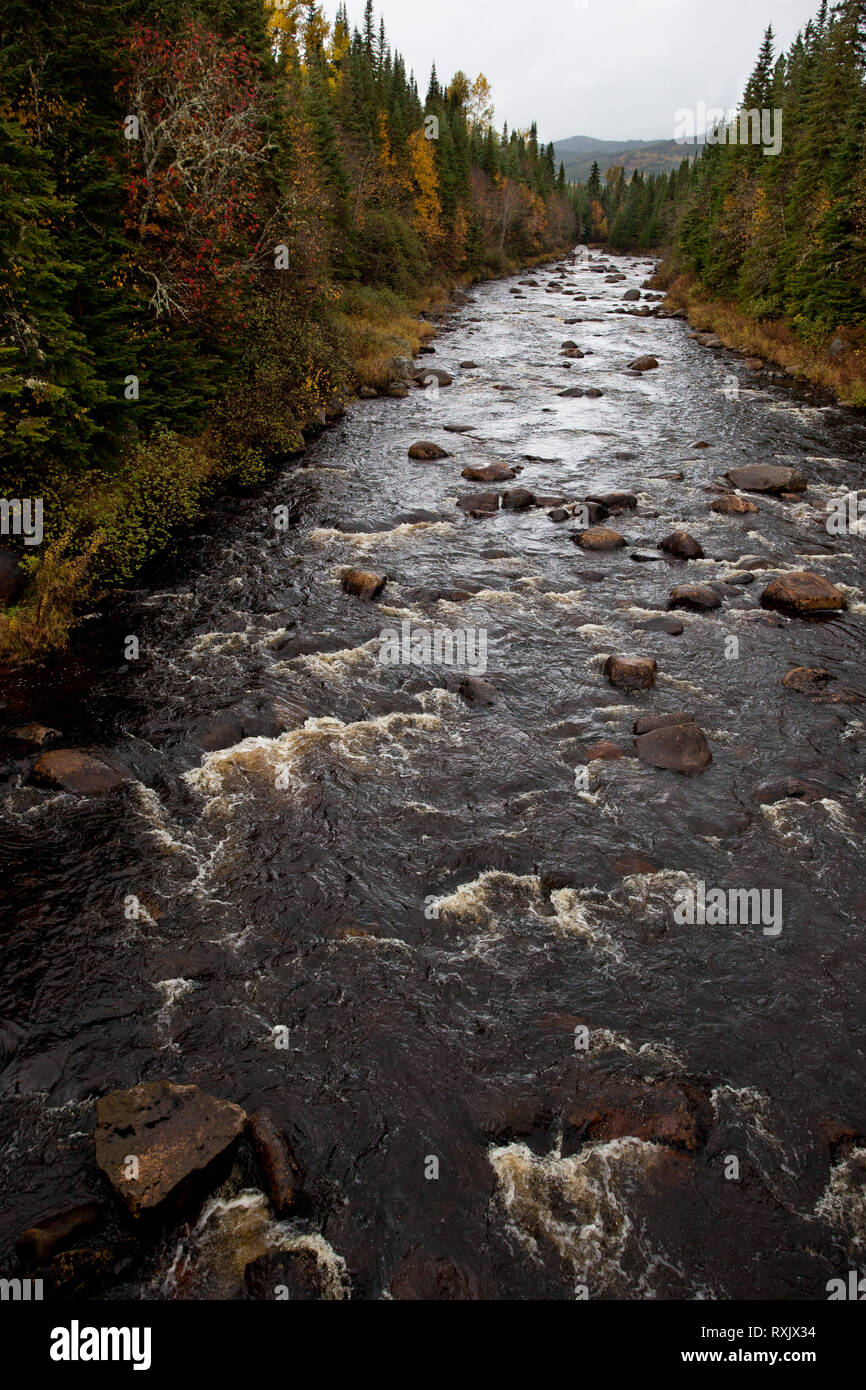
(615, 69)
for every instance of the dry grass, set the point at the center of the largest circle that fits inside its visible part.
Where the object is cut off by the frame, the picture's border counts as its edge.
(773, 340)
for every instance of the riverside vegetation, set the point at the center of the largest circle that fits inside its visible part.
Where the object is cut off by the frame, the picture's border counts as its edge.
(218, 219)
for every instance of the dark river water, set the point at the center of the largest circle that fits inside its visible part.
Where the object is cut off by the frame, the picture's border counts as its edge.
(389, 923)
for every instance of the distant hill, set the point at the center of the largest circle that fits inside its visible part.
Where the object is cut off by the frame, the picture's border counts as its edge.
(649, 156)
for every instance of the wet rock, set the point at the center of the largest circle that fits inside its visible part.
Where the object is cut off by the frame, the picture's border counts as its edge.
(363, 584)
(791, 789)
(35, 735)
(458, 429)
(403, 368)
(426, 451)
(733, 506)
(600, 538)
(744, 578)
(677, 748)
(643, 364)
(11, 578)
(73, 1273)
(755, 364)
(604, 752)
(766, 477)
(428, 375)
(592, 576)
(681, 544)
(701, 444)
(650, 722)
(42, 1240)
(573, 354)
(593, 512)
(634, 864)
(292, 1276)
(674, 1113)
(178, 1135)
(559, 515)
(699, 598)
(398, 390)
(519, 499)
(631, 672)
(803, 593)
(572, 392)
(544, 501)
(217, 731)
(469, 366)
(669, 626)
(479, 504)
(592, 393)
(284, 1181)
(79, 773)
(432, 1279)
(477, 692)
(569, 345)
(720, 826)
(615, 501)
(490, 473)
(806, 680)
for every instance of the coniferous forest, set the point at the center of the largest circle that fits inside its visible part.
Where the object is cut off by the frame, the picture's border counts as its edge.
(780, 238)
(217, 219)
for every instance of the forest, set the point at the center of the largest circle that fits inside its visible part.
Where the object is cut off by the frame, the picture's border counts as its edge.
(218, 220)
(780, 238)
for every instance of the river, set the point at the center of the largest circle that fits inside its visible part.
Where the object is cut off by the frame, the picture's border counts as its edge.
(429, 933)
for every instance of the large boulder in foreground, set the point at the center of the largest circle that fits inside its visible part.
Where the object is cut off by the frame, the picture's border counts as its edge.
(766, 477)
(70, 770)
(803, 593)
(161, 1141)
(675, 748)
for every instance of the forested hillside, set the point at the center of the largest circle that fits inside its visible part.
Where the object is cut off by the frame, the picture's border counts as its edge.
(217, 218)
(781, 236)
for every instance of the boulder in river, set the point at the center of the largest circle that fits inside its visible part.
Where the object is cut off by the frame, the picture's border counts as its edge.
(42, 1240)
(428, 375)
(292, 1276)
(699, 598)
(490, 473)
(766, 477)
(631, 295)
(11, 578)
(71, 770)
(643, 364)
(477, 692)
(731, 505)
(284, 1181)
(676, 748)
(604, 752)
(631, 672)
(669, 626)
(615, 501)
(572, 393)
(677, 1114)
(682, 545)
(519, 499)
(224, 729)
(36, 735)
(426, 451)
(600, 538)
(803, 594)
(161, 1141)
(479, 504)
(363, 584)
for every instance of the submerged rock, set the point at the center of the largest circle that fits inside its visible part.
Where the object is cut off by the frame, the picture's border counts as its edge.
(70, 770)
(160, 1141)
(293, 1276)
(490, 473)
(477, 692)
(428, 375)
(432, 1279)
(42, 1240)
(678, 1114)
(676, 748)
(733, 506)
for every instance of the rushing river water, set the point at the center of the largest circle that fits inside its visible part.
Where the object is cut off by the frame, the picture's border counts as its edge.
(426, 899)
